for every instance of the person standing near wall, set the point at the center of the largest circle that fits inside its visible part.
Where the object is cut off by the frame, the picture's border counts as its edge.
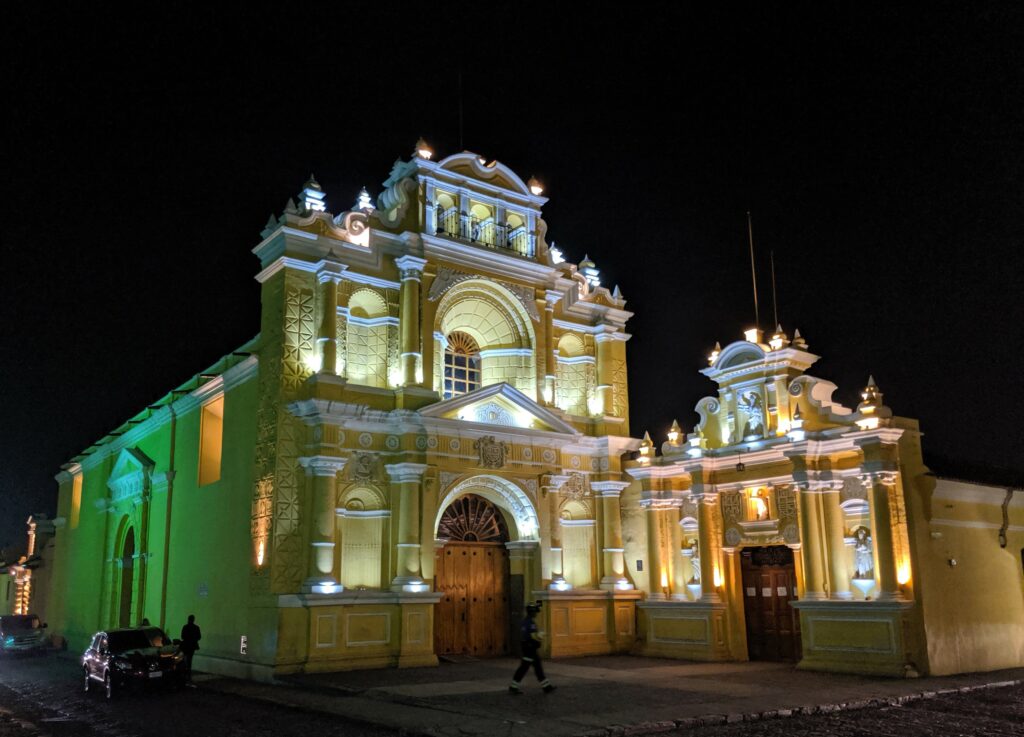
(190, 637)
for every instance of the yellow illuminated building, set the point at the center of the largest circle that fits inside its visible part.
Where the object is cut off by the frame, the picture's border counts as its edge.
(431, 429)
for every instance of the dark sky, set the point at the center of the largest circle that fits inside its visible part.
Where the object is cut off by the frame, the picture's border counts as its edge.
(881, 153)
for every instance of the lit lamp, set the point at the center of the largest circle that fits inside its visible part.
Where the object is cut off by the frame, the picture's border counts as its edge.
(558, 583)
(535, 186)
(646, 449)
(752, 335)
(779, 339)
(423, 150)
(675, 435)
(713, 356)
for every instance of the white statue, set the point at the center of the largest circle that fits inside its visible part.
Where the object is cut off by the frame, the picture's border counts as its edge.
(863, 561)
(751, 404)
(695, 562)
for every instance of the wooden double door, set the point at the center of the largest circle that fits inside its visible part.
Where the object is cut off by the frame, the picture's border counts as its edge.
(472, 575)
(472, 616)
(769, 585)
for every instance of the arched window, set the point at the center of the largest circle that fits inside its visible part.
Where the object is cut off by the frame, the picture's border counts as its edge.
(461, 365)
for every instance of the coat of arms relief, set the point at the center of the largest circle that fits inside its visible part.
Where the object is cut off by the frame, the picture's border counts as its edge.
(492, 452)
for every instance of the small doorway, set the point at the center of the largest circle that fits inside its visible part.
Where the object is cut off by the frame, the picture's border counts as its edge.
(127, 561)
(472, 576)
(769, 585)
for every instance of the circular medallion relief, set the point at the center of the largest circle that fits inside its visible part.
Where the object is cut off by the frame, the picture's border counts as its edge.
(548, 455)
(453, 443)
(733, 537)
(365, 439)
(790, 534)
(527, 454)
(603, 464)
(421, 442)
(432, 442)
(574, 461)
(391, 443)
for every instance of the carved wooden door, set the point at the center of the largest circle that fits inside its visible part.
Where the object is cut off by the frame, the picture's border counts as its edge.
(769, 584)
(472, 577)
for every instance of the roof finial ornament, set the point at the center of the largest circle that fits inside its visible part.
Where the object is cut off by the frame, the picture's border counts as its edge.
(646, 449)
(363, 202)
(713, 356)
(312, 195)
(798, 340)
(675, 434)
(423, 149)
(535, 186)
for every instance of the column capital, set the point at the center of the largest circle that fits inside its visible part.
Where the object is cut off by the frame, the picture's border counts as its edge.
(609, 488)
(329, 269)
(552, 297)
(410, 267)
(322, 465)
(886, 478)
(405, 472)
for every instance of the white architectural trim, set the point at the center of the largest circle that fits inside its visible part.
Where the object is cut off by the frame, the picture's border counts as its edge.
(502, 492)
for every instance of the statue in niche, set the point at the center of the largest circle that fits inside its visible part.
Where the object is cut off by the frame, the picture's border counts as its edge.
(695, 562)
(751, 405)
(863, 560)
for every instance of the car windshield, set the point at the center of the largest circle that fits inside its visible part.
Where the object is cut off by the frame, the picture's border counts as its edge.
(118, 642)
(157, 637)
(19, 622)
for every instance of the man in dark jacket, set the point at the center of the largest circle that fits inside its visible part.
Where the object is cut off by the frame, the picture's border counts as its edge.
(529, 640)
(190, 637)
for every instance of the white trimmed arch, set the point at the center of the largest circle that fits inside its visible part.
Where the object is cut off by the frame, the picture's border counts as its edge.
(504, 494)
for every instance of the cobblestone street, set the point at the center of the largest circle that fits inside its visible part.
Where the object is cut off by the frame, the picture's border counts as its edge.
(42, 696)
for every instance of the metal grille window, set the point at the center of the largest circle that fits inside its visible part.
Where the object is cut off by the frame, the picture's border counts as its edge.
(461, 365)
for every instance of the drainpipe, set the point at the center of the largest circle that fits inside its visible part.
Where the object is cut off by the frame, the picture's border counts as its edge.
(167, 519)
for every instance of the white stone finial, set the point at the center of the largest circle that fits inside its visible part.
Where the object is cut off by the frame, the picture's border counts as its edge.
(363, 202)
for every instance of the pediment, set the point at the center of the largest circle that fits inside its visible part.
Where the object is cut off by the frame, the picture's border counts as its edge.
(502, 405)
(130, 473)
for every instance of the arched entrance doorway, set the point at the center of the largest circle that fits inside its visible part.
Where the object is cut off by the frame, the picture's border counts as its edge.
(127, 563)
(473, 577)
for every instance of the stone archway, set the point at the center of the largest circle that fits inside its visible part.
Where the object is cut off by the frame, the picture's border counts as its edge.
(510, 500)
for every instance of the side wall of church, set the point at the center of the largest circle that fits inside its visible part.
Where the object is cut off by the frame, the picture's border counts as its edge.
(191, 541)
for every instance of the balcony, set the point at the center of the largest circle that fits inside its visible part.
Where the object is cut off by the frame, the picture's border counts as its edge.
(486, 233)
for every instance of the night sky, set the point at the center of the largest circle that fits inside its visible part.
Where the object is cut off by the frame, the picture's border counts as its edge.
(881, 154)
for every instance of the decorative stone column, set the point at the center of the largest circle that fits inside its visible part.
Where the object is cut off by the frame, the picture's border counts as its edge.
(839, 578)
(707, 548)
(550, 345)
(604, 372)
(410, 270)
(328, 275)
(323, 471)
(654, 564)
(679, 565)
(880, 486)
(405, 485)
(614, 561)
(811, 549)
(555, 535)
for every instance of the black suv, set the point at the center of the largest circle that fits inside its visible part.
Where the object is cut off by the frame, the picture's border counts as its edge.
(140, 655)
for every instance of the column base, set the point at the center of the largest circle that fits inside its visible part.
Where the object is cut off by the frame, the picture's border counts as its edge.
(321, 585)
(409, 585)
(615, 583)
(841, 596)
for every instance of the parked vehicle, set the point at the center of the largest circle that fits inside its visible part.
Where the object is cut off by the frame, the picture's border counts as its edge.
(21, 633)
(133, 656)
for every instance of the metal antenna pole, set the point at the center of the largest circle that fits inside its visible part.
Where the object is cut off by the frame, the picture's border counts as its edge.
(461, 146)
(753, 269)
(775, 307)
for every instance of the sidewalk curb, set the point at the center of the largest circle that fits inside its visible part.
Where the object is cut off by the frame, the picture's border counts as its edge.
(710, 720)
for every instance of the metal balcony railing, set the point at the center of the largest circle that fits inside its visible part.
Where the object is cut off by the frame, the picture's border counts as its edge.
(485, 233)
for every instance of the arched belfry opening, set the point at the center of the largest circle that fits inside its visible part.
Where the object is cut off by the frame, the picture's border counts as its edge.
(472, 617)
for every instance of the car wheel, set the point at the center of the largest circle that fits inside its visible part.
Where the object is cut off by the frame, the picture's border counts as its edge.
(88, 680)
(108, 687)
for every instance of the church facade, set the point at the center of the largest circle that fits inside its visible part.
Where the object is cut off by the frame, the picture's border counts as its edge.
(431, 429)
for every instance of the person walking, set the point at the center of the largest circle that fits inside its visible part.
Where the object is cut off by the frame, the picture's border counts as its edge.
(190, 637)
(529, 641)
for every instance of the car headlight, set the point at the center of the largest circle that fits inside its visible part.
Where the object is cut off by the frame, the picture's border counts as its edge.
(122, 665)
(178, 657)
(8, 640)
